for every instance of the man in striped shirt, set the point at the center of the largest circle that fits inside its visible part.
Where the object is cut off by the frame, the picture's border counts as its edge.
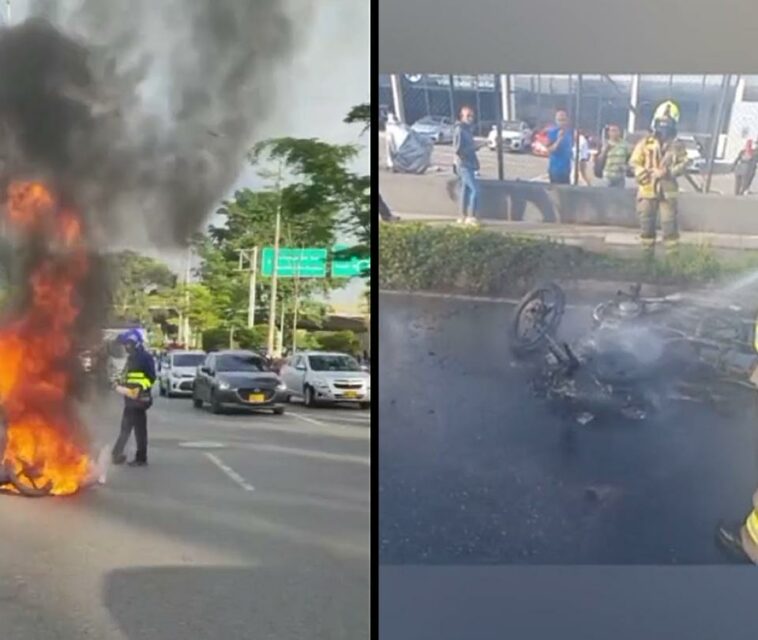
(615, 158)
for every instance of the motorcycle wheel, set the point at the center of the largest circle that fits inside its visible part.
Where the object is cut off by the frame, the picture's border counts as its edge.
(537, 315)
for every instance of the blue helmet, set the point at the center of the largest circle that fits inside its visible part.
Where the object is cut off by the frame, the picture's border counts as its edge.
(130, 335)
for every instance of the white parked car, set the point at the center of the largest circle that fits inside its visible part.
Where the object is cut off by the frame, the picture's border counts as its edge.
(516, 136)
(177, 374)
(320, 377)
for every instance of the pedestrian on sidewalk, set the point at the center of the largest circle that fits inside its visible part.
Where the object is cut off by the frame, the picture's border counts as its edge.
(744, 168)
(136, 383)
(384, 211)
(560, 145)
(467, 165)
(580, 140)
(614, 158)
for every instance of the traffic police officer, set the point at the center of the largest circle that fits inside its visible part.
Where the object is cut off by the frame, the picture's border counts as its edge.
(135, 384)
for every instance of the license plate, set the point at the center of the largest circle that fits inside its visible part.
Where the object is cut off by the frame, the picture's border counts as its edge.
(350, 394)
(256, 397)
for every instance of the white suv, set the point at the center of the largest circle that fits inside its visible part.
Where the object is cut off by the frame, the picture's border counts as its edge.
(177, 374)
(320, 377)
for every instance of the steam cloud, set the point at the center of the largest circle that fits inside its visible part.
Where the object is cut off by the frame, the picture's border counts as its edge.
(141, 112)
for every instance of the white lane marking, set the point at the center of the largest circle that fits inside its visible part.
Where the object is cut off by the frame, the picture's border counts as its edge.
(308, 453)
(311, 420)
(231, 473)
(202, 444)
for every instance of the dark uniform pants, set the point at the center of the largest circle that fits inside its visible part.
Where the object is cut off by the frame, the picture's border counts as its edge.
(133, 418)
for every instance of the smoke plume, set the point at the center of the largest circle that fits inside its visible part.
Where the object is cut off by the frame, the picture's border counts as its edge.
(141, 112)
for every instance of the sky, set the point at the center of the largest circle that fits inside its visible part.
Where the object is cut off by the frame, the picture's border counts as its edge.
(327, 76)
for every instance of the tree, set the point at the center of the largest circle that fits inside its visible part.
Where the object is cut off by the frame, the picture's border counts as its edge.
(343, 341)
(360, 113)
(136, 282)
(324, 176)
(193, 301)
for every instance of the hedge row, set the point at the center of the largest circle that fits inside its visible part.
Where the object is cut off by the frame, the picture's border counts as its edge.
(427, 257)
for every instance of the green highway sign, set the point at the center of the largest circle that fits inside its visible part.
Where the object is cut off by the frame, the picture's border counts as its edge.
(305, 263)
(349, 267)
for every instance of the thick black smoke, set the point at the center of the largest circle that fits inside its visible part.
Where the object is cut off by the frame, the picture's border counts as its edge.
(141, 112)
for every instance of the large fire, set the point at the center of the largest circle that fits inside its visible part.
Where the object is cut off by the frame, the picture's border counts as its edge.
(45, 442)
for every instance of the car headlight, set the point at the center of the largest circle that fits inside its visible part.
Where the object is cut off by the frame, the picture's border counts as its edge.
(281, 387)
(223, 385)
(321, 384)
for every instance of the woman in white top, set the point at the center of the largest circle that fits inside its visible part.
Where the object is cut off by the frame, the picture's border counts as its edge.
(584, 158)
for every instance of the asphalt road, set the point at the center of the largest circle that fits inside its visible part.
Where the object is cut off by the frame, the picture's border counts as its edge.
(265, 536)
(525, 166)
(473, 469)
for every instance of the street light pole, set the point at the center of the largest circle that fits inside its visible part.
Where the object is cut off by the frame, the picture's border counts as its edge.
(272, 305)
(251, 302)
(296, 305)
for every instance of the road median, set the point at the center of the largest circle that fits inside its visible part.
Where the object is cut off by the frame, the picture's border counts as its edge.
(443, 258)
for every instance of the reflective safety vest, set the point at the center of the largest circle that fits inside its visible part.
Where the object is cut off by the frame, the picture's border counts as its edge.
(138, 379)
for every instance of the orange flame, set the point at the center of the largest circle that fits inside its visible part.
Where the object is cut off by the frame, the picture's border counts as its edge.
(43, 431)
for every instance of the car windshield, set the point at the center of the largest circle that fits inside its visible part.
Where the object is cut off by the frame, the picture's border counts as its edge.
(188, 359)
(333, 363)
(240, 362)
(512, 125)
(429, 120)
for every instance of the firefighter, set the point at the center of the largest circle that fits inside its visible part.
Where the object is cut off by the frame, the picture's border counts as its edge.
(657, 160)
(135, 385)
(741, 539)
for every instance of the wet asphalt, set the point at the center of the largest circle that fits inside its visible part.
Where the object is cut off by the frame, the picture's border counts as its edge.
(475, 470)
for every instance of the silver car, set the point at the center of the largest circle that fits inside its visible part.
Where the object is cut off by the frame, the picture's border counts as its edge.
(321, 377)
(516, 136)
(177, 374)
(439, 129)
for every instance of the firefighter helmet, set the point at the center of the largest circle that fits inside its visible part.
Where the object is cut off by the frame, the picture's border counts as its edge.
(668, 109)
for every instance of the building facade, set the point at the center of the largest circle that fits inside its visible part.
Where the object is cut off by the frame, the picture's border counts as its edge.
(626, 100)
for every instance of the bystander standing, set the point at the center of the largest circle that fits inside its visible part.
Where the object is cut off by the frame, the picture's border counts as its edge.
(559, 149)
(467, 165)
(614, 158)
(744, 169)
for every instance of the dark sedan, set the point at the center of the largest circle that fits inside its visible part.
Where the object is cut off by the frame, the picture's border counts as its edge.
(240, 379)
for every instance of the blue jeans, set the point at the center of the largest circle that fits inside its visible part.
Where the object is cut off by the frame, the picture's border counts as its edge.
(469, 191)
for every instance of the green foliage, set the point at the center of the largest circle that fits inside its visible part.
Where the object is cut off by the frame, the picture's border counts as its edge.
(254, 339)
(138, 282)
(215, 339)
(343, 341)
(360, 113)
(475, 261)
(323, 176)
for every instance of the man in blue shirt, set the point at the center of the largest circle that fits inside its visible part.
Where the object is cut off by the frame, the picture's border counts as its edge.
(560, 149)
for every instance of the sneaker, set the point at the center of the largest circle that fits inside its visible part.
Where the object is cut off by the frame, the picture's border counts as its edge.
(729, 539)
(461, 220)
(138, 463)
(120, 459)
(472, 222)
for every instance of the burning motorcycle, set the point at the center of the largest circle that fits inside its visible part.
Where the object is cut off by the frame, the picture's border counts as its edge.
(640, 352)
